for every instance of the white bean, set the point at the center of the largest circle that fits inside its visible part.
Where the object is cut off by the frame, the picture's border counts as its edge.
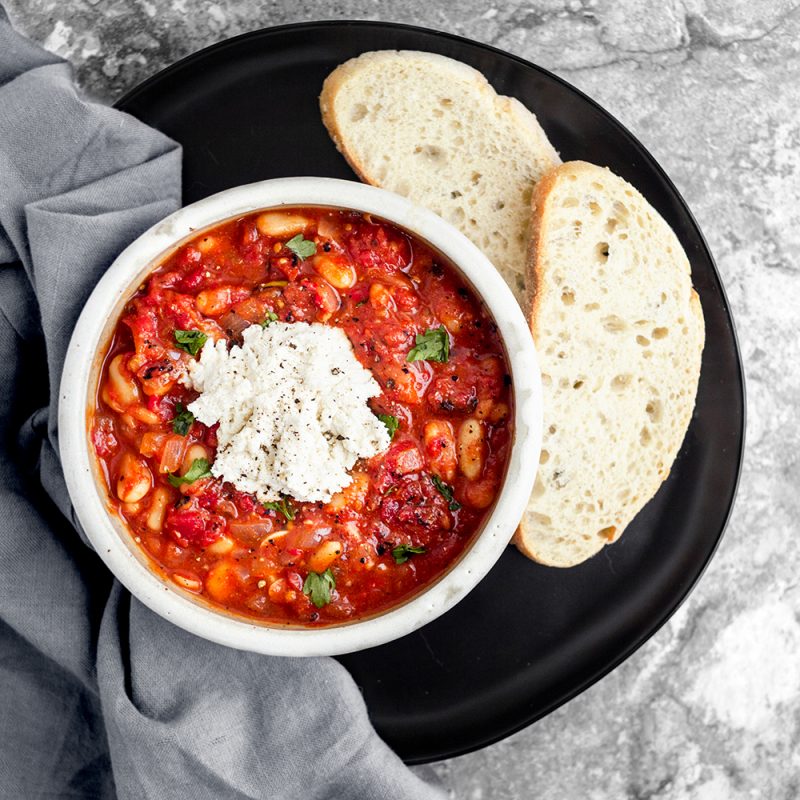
(192, 454)
(189, 582)
(470, 448)
(123, 386)
(335, 270)
(324, 556)
(222, 546)
(158, 507)
(281, 223)
(135, 479)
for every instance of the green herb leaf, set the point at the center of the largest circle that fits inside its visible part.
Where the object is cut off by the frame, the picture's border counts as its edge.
(446, 492)
(282, 506)
(403, 552)
(433, 345)
(302, 248)
(200, 469)
(190, 341)
(183, 420)
(318, 587)
(391, 423)
(271, 317)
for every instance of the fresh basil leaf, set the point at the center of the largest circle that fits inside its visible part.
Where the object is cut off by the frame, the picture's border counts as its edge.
(190, 341)
(200, 469)
(318, 587)
(282, 506)
(302, 248)
(271, 317)
(446, 492)
(183, 420)
(433, 345)
(403, 552)
(391, 423)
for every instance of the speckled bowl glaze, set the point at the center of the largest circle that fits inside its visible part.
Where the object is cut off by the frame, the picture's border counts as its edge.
(85, 483)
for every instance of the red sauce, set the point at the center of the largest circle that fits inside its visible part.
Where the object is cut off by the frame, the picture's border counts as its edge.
(409, 511)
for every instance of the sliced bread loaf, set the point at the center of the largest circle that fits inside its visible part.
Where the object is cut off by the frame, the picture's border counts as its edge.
(434, 130)
(620, 333)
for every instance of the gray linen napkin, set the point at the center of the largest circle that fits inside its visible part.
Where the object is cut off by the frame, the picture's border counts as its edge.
(99, 697)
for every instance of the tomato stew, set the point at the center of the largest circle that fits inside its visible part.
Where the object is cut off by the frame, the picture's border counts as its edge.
(409, 511)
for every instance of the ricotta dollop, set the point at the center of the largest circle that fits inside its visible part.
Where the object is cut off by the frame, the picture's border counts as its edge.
(291, 404)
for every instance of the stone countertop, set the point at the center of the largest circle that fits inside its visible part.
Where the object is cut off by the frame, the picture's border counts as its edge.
(710, 707)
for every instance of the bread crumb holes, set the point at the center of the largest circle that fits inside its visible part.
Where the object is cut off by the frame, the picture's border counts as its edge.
(359, 112)
(620, 382)
(614, 324)
(653, 410)
(544, 457)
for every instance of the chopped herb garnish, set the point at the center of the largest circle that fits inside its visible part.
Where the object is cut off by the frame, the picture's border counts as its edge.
(391, 423)
(318, 587)
(282, 506)
(361, 302)
(190, 341)
(200, 469)
(183, 420)
(303, 248)
(433, 345)
(403, 552)
(446, 492)
(271, 317)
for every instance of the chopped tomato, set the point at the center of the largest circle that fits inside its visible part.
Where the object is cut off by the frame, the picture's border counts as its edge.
(196, 527)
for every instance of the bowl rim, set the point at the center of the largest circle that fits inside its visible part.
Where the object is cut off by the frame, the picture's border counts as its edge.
(117, 284)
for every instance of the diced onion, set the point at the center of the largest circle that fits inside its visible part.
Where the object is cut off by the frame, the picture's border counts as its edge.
(305, 537)
(327, 227)
(228, 508)
(397, 279)
(234, 323)
(152, 442)
(250, 532)
(172, 454)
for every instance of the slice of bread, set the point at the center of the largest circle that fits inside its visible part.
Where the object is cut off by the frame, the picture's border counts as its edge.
(434, 130)
(620, 333)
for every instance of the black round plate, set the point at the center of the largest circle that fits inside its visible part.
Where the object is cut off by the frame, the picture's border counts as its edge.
(528, 638)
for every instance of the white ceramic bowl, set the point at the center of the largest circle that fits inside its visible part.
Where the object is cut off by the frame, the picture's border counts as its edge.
(114, 544)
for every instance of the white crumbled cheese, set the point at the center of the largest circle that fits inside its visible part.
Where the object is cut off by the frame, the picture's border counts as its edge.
(291, 403)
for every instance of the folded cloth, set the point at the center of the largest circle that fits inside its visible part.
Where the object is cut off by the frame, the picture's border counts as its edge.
(99, 697)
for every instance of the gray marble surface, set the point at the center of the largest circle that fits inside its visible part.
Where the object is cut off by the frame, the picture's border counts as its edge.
(710, 707)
